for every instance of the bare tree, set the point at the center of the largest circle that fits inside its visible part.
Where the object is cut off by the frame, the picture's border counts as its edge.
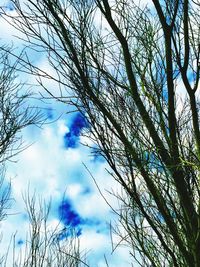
(15, 111)
(46, 245)
(133, 71)
(15, 114)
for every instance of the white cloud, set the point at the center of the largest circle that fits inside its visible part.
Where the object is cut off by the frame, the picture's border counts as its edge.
(52, 171)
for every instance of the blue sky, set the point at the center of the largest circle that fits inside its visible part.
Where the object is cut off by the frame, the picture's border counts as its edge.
(53, 168)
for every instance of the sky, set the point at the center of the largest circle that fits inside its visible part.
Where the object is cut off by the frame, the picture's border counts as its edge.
(55, 167)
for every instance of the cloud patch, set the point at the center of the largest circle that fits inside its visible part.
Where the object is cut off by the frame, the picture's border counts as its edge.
(67, 214)
(49, 113)
(71, 138)
(20, 242)
(10, 6)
